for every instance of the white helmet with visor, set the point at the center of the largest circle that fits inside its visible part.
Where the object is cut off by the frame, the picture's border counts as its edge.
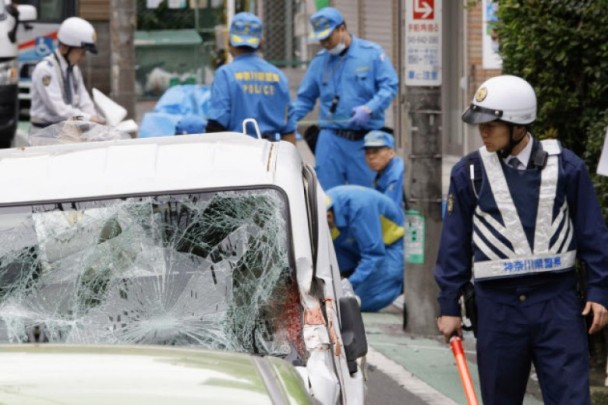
(505, 98)
(78, 33)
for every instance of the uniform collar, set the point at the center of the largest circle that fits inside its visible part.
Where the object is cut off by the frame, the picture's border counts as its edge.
(524, 155)
(247, 55)
(388, 166)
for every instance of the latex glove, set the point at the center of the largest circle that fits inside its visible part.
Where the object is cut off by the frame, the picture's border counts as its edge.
(361, 115)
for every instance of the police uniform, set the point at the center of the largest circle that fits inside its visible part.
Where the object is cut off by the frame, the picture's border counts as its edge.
(250, 87)
(368, 239)
(55, 97)
(390, 181)
(363, 75)
(525, 228)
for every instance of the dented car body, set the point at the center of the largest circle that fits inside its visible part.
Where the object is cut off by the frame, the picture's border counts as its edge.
(213, 241)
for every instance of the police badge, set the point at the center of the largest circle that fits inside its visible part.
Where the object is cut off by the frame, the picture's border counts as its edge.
(450, 204)
(46, 80)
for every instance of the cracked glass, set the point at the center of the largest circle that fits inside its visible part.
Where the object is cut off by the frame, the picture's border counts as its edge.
(210, 269)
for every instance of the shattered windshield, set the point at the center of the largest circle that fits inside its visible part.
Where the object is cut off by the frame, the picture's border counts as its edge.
(209, 269)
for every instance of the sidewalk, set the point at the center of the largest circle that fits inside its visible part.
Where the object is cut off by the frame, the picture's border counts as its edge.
(428, 359)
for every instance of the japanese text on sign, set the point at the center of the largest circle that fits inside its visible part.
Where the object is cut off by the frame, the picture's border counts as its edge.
(423, 42)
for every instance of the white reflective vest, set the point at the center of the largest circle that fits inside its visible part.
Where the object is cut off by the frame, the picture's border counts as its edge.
(520, 258)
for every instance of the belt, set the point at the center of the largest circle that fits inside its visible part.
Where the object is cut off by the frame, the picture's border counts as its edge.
(272, 137)
(41, 124)
(351, 135)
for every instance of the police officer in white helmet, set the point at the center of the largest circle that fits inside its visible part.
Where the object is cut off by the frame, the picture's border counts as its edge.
(58, 90)
(519, 213)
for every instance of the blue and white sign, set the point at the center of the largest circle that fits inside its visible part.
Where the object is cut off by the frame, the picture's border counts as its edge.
(44, 46)
(423, 42)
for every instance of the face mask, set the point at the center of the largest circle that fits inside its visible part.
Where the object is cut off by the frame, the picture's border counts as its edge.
(338, 49)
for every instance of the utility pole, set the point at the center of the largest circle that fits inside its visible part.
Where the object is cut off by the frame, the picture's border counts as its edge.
(122, 60)
(425, 197)
(422, 38)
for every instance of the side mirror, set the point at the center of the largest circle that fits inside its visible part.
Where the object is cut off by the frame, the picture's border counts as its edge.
(27, 13)
(353, 331)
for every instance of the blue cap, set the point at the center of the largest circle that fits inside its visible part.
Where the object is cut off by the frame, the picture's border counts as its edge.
(378, 139)
(324, 22)
(246, 30)
(190, 124)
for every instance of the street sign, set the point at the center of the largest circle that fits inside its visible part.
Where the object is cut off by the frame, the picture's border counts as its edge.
(414, 237)
(491, 58)
(423, 42)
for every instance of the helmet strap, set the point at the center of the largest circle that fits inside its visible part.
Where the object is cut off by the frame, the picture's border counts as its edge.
(66, 55)
(505, 152)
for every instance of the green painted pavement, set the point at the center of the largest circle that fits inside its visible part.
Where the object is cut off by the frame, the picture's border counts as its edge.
(427, 358)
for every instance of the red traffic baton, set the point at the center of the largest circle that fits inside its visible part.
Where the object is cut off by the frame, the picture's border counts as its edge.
(463, 370)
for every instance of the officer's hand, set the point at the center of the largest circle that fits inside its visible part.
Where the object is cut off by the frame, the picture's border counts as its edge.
(361, 115)
(600, 315)
(449, 326)
(97, 119)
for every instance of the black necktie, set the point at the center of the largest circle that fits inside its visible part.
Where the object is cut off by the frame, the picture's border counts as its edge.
(514, 163)
(68, 84)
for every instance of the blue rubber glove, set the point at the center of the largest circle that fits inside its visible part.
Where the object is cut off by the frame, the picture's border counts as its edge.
(361, 115)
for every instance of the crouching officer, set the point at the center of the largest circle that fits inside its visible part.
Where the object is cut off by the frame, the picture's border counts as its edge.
(367, 230)
(380, 156)
(519, 212)
(58, 91)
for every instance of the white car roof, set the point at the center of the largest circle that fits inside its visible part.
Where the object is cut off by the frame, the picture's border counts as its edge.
(96, 169)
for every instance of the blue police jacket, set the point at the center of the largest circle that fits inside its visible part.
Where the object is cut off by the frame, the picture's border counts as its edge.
(390, 181)
(364, 75)
(469, 232)
(250, 87)
(367, 223)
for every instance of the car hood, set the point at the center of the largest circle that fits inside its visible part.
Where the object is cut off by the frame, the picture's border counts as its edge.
(76, 374)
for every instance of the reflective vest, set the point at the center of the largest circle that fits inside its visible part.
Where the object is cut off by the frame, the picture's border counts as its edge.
(505, 243)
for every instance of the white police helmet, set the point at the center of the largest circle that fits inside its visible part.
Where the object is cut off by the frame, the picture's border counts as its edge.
(506, 98)
(77, 33)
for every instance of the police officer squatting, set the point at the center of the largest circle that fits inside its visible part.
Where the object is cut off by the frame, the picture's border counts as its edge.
(520, 212)
(367, 232)
(379, 147)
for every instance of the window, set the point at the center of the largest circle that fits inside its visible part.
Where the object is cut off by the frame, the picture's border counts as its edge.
(210, 269)
(52, 10)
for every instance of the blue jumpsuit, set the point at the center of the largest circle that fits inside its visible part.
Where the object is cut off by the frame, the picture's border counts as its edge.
(364, 75)
(528, 310)
(390, 181)
(368, 238)
(250, 87)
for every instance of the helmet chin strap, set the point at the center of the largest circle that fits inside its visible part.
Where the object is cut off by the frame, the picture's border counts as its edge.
(67, 55)
(505, 152)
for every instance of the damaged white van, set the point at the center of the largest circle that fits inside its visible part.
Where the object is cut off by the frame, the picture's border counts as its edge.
(213, 241)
